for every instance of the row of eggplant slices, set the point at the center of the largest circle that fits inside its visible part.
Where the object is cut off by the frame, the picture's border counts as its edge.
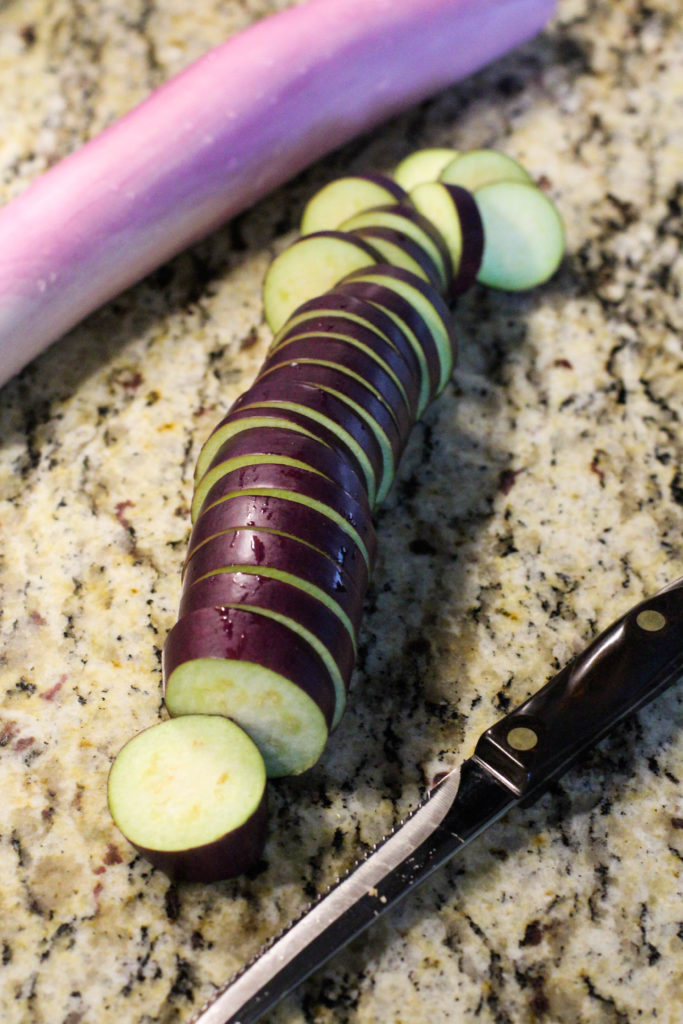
(257, 667)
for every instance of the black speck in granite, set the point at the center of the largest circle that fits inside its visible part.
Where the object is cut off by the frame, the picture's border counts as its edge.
(28, 35)
(421, 546)
(185, 981)
(608, 1003)
(172, 903)
(676, 487)
(22, 686)
(533, 934)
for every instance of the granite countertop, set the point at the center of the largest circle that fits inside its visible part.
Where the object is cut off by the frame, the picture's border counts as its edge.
(541, 495)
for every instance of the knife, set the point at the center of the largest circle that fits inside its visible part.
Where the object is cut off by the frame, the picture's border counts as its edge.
(514, 761)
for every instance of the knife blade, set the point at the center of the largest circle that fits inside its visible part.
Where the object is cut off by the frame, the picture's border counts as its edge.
(513, 763)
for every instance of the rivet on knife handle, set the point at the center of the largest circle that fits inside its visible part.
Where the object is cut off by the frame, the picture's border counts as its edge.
(630, 663)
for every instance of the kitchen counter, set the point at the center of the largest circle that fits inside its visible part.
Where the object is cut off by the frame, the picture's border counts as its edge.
(541, 496)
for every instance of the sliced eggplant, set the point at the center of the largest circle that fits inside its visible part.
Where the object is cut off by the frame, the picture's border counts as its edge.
(340, 316)
(263, 444)
(478, 167)
(284, 517)
(327, 412)
(190, 795)
(456, 212)
(424, 302)
(353, 536)
(277, 557)
(412, 323)
(272, 471)
(358, 362)
(309, 488)
(231, 426)
(343, 197)
(311, 266)
(246, 666)
(397, 248)
(238, 421)
(234, 464)
(524, 236)
(212, 584)
(423, 165)
(423, 231)
(257, 667)
(300, 611)
(353, 392)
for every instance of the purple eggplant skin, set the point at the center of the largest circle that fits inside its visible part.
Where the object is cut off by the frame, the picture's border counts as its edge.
(248, 638)
(244, 420)
(388, 274)
(308, 397)
(342, 236)
(472, 229)
(314, 349)
(361, 349)
(390, 301)
(337, 310)
(305, 483)
(277, 474)
(337, 379)
(408, 212)
(239, 588)
(233, 854)
(396, 190)
(284, 517)
(255, 551)
(262, 442)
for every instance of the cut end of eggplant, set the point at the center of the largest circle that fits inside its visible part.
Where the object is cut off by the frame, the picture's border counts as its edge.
(190, 794)
(423, 165)
(524, 236)
(346, 196)
(259, 673)
(311, 266)
(478, 167)
(285, 723)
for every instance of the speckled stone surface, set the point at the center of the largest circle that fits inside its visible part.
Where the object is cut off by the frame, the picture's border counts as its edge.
(540, 497)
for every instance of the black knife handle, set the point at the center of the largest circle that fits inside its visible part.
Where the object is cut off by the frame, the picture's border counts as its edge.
(635, 659)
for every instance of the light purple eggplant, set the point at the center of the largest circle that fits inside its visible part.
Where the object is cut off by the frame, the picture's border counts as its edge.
(235, 124)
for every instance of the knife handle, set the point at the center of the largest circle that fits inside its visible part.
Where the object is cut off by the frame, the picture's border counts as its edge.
(623, 669)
